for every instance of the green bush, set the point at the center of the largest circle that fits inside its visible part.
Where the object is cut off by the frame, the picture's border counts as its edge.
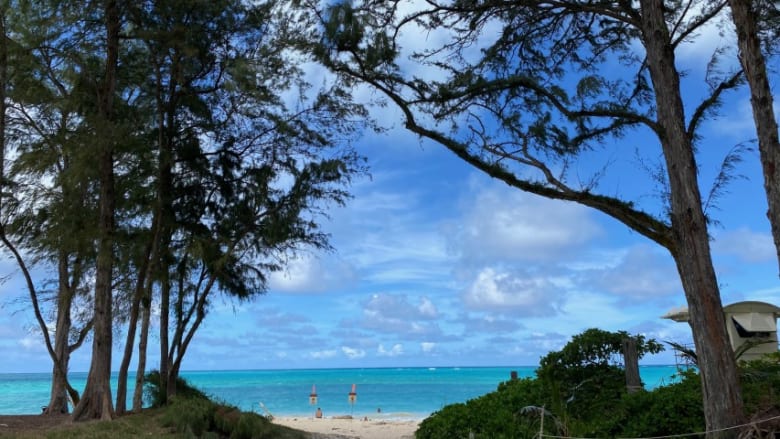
(666, 410)
(252, 426)
(189, 416)
(761, 384)
(581, 392)
(497, 414)
(153, 392)
(199, 417)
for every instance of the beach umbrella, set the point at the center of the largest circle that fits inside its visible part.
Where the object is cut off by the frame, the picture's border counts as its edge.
(313, 395)
(352, 399)
(352, 395)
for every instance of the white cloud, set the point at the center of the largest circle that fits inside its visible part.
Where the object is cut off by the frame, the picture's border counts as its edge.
(698, 48)
(397, 306)
(352, 353)
(427, 346)
(306, 273)
(747, 245)
(320, 355)
(395, 351)
(427, 308)
(644, 272)
(502, 291)
(509, 225)
(30, 342)
(393, 314)
(488, 323)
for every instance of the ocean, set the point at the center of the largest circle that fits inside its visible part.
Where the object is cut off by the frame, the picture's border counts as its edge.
(391, 393)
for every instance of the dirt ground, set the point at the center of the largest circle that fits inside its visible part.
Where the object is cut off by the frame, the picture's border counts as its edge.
(14, 424)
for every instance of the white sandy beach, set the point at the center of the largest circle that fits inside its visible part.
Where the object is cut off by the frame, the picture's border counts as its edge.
(352, 428)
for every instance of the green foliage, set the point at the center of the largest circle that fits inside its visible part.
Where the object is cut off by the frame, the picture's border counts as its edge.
(580, 390)
(153, 391)
(200, 417)
(586, 374)
(667, 410)
(191, 416)
(761, 384)
(598, 406)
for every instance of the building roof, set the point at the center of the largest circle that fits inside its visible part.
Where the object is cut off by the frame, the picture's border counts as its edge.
(750, 307)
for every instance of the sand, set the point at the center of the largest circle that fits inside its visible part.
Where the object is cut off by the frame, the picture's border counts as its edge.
(329, 427)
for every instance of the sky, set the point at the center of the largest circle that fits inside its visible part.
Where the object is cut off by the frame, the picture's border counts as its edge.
(435, 264)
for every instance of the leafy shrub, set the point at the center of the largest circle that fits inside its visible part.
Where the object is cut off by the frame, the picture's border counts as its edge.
(198, 417)
(153, 392)
(252, 426)
(497, 414)
(761, 384)
(580, 391)
(189, 416)
(666, 410)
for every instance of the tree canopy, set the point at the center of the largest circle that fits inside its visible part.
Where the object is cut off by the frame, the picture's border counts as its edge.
(159, 154)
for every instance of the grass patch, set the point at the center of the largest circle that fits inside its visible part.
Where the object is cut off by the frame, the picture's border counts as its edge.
(184, 418)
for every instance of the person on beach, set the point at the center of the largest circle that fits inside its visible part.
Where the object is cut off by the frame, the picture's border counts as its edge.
(318, 414)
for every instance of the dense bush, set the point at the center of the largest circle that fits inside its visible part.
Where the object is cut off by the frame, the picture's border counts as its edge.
(666, 410)
(152, 390)
(192, 414)
(581, 391)
(761, 384)
(198, 417)
(497, 415)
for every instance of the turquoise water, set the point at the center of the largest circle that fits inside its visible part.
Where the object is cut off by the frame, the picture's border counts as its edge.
(399, 392)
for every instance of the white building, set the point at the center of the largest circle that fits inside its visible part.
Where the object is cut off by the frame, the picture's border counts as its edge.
(747, 322)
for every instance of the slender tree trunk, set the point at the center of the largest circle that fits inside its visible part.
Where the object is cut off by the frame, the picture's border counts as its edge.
(138, 295)
(722, 397)
(58, 401)
(121, 385)
(142, 343)
(754, 66)
(96, 402)
(165, 305)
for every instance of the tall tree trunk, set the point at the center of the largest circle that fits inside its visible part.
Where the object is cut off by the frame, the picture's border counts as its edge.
(722, 397)
(58, 401)
(165, 310)
(96, 402)
(121, 385)
(754, 66)
(142, 343)
(138, 295)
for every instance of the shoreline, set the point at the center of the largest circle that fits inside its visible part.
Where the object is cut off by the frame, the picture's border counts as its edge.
(346, 427)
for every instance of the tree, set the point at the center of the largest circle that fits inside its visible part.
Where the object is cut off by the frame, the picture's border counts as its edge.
(96, 402)
(45, 201)
(226, 145)
(224, 156)
(744, 15)
(529, 88)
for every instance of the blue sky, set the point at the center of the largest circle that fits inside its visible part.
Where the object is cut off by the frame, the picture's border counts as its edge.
(435, 264)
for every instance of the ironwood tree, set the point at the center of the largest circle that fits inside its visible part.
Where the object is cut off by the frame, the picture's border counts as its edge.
(46, 200)
(531, 92)
(752, 20)
(171, 151)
